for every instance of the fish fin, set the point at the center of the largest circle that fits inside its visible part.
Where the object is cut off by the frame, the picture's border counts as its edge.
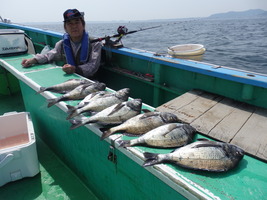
(85, 104)
(146, 110)
(132, 135)
(50, 89)
(171, 127)
(151, 159)
(149, 114)
(60, 92)
(90, 113)
(52, 102)
(75, 123)
(211, 144)
(78, 106)
(84, 86)
(106, 123)
(124, 143)
(202, 139)
(118, 107)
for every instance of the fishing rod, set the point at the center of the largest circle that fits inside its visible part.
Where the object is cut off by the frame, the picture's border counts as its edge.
(122, 31)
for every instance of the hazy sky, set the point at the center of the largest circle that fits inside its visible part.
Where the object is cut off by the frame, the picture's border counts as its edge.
(108, 10)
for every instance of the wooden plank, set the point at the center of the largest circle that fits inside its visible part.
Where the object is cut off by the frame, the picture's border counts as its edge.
(252, 137)
(232, 123)
(175, 104)
(209, 120)
(198, 107)
(191, 105)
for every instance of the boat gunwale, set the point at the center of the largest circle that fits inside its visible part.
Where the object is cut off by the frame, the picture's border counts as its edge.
(228, 73)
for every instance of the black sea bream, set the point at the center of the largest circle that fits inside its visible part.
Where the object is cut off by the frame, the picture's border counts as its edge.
(201, 155)
(115, 114)
(165, 136)
(91, 97)
(100, 103)
(142, 123)
(65, 86)
(78, 93)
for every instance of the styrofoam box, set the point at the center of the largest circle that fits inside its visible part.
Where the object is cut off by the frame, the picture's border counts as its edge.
(18, 155)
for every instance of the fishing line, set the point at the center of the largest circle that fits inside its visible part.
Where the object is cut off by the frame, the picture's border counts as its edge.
(122, 31)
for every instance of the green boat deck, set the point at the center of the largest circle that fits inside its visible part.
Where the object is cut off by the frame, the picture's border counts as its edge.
(123, 179)
(55, 180)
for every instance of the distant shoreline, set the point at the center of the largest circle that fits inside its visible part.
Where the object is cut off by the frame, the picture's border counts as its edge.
(253, 13)
(144, 21)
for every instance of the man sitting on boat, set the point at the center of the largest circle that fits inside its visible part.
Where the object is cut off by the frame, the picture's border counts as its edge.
(75, 49)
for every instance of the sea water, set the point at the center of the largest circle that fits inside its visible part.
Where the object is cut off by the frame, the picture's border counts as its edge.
(235, 43)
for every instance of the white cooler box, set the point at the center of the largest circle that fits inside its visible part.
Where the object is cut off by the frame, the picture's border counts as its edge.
(18, 155)
(12, 42)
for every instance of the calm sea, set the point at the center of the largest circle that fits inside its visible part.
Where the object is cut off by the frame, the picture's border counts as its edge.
(235, 43)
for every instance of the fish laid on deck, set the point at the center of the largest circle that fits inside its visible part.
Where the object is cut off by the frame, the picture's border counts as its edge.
(165, 136)
(91, 97)
(100, 103)
(65, 86)
(78, 93)
(115, 114)
(201, 155)
(142, 123)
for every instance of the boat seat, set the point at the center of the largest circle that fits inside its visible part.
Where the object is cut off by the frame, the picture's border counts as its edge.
(223, 119)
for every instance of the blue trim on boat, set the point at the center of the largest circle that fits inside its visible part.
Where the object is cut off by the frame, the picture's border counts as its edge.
(38, 30)
(227, 73)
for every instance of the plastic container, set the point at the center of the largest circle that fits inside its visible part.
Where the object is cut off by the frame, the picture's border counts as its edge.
(186, 50)
(18, 155)
(12, 42)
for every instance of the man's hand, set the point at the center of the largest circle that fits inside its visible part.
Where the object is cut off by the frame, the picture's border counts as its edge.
(69, 69)
(28, 62)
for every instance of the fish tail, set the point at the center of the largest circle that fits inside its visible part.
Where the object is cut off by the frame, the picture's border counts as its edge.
(103, 129)
(106, 134)
(124, 143)
(70, 108)
(75, 123)
(151, 159)
(52, 102)
(70, 116)
(42, 89)
(72, 111)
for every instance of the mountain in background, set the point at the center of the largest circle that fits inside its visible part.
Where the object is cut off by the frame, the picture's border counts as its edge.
(252, 13)
(242, 14)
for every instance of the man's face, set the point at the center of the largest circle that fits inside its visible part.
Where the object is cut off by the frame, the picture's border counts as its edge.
(74, 27)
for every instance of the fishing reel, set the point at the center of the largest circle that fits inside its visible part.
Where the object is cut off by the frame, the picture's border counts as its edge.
(122, 30)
